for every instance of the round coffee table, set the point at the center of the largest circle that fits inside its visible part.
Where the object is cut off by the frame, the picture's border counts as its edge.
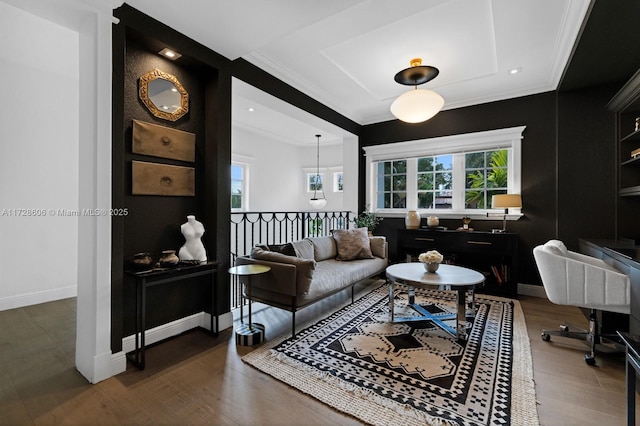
(447, 277)
(250, 333)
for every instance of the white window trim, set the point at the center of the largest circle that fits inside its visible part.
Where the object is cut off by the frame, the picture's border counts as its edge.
(244, 161)
(467, 142)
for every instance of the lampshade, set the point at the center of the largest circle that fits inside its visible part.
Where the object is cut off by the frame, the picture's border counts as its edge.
(417, 105)
(505, 201)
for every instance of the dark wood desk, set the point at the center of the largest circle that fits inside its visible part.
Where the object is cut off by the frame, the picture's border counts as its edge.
(146, 279)
(623, 255)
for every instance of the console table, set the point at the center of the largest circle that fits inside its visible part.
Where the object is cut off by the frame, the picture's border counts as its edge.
(495, 255)
(146, 279)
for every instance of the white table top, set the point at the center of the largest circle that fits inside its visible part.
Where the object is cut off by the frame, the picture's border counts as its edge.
(452, 275)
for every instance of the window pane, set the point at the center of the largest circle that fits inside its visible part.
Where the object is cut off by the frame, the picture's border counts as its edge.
(425, 181)
(486, 174)
(475, 179)
(444, 162)
(399, 182)
(236, 172)
(474, 160)
(237, 186)
(425, 200)
(399, 200)
(399, 167)
(425, 164)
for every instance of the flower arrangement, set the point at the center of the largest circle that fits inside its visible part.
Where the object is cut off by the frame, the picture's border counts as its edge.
(432, 256)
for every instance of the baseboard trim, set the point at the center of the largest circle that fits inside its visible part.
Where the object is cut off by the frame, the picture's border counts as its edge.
(38, 297)
(532, 290)
(174, 328)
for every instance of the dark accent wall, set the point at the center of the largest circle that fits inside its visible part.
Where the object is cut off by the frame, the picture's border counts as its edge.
(153, 222)
(568, 170)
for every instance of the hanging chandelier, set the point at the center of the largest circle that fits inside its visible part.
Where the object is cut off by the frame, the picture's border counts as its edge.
(417, 105)
(318, 203)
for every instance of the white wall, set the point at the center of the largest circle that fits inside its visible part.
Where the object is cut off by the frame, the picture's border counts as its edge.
(38, 159)
(276, 176)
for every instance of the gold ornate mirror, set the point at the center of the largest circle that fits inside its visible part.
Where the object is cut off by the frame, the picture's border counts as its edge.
(163, 95)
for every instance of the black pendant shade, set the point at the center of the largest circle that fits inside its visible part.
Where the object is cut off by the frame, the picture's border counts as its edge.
(416, 74)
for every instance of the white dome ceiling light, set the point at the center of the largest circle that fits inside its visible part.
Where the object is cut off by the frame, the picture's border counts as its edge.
(417, 105)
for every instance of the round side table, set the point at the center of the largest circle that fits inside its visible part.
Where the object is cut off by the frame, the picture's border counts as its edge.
(250, 333)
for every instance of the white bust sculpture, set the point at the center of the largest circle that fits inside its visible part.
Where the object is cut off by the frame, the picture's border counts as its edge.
(193, 249)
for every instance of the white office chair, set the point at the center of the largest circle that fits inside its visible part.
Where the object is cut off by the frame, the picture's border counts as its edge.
(571, 278)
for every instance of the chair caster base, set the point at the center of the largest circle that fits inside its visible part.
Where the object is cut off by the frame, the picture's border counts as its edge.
(546, 337)
(590, 360)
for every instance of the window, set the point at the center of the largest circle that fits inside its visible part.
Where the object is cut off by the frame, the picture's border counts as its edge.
(338, 185)
(452, 176)
(434, 180)
(314, 182)
(238, 187)
(392, 184)
(486, 175)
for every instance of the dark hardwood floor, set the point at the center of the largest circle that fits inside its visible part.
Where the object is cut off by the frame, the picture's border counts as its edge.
(198, 379)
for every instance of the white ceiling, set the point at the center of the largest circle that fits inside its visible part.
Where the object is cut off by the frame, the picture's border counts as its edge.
(344, 53)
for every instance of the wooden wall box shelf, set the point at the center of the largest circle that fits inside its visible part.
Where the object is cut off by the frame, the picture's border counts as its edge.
(493, 254)
(162, 179)
(165, 142)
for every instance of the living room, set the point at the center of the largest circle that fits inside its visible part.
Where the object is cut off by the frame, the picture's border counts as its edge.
(565, 130)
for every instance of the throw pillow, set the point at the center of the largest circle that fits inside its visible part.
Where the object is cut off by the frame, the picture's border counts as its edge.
(352, 244)
(282, 248)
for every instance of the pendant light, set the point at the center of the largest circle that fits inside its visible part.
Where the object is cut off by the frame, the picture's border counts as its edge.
(318, 203)
(417, 105)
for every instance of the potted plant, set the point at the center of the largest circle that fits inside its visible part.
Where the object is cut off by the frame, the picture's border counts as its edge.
(367, 219)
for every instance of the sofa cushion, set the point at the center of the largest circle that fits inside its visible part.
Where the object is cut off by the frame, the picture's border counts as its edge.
(303, 249)
(323, 247)
(378, 246)
(352, 244)
(304, 267)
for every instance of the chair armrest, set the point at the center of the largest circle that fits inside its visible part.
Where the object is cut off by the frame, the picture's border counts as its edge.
(598, 286)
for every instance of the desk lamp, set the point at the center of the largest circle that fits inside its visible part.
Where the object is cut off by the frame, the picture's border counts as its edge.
(505, 201)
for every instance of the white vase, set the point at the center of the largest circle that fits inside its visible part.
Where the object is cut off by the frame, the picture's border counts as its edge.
(433, 221)
(412, 220)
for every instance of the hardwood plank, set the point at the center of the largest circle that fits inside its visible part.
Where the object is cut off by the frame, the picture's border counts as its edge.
(197, 379)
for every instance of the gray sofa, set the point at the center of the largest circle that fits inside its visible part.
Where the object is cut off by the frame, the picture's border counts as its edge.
(314, 268)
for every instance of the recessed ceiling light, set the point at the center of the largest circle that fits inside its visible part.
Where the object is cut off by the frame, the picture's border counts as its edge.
(251, 109)
(168, 53)
(513, 71)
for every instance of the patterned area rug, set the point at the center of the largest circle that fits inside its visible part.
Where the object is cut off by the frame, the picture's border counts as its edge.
(412, 373)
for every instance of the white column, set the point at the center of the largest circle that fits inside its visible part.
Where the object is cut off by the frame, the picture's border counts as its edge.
(93, 332)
